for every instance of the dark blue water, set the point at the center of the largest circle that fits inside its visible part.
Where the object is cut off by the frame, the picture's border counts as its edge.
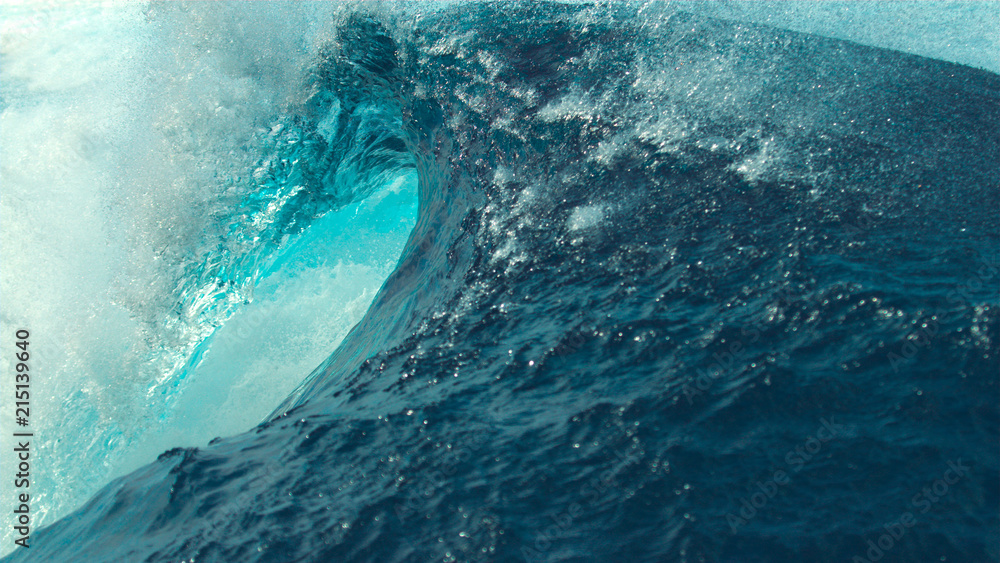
(679, 290)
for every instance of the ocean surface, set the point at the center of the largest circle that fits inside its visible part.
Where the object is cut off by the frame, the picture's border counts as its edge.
(678, 282)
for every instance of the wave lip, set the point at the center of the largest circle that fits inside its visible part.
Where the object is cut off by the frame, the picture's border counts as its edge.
(655, 256)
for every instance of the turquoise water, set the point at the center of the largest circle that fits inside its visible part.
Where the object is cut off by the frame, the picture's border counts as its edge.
(654, 256)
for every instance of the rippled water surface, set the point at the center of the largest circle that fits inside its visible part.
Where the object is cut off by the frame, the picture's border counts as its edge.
(540, 282)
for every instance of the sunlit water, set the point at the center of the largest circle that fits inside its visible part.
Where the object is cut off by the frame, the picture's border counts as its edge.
(199, 201)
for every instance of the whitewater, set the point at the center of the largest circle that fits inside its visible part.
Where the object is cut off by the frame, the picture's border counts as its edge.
(550, 281)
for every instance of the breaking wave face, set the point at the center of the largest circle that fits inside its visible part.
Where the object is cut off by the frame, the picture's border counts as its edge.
(581, 282)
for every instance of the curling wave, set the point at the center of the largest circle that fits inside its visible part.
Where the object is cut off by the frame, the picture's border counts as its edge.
(665, 268)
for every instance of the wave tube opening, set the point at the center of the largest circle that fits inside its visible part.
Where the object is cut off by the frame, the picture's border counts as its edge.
(194, 249)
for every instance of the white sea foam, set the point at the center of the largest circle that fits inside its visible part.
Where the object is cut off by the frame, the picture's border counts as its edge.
(585, 217)
(128, 128)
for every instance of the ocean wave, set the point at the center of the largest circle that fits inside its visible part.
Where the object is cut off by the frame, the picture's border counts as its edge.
(678, 289)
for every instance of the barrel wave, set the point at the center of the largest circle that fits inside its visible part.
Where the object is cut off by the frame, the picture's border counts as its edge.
(678, 289)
